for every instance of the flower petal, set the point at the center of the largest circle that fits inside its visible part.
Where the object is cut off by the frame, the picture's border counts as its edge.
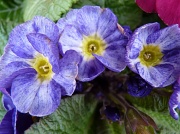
(107, 23)
(174, 102)
(88, 70)
(168, 11)
(31, 95)
(71, 38)
(7, 102)
(19, 42)
(87, 19)
(8, 123)
(23, 91)
(9, 57)
(113, 58)
(47, 99)
(12, 70)
(45, 46)
(148, 6)
(167, 38)
(69, 19)
(68, 72)
(47, 27)
(156, 75)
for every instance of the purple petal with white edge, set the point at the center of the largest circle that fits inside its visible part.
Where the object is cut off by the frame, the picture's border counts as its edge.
(107, 23)
(47, 99)
(87, 19)
(156, 75)
(18, 41)
(174, 102)
(116, 38)
(172, 57)
(71, 39)
(127, 31)
(45, 46)
(8, 123)
(89, 69)
(12, 70)
(9, 57)
(47, 27)
(68, 72)
(113, 58)
(167, 38)
(172, 79)
(7, 102)
(70, 18)
(31, 95)
(139, 38)
(23, 91)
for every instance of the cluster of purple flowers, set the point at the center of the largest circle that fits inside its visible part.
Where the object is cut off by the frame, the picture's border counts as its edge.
(42, 59)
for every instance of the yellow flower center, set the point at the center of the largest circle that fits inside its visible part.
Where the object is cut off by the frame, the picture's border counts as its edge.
(43, 67)
(151, 55)
(92, 45)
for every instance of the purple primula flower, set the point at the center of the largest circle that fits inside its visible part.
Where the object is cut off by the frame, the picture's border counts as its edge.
(174, 101)
(13, 119)
(138, 87)
(154, 54)
(96, 35)
(32, 67)
(112, 113)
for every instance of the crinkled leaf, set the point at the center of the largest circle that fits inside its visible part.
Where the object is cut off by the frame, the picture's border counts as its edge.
(127, 11)
(81, 3)
(2, 110)
(52, 9)
(105, 127)
(155, 101)
(74, 116)
(11, 10)
(166, 124)
(5, 29)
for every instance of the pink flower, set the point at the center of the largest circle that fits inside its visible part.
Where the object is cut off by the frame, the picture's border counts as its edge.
(167, 10)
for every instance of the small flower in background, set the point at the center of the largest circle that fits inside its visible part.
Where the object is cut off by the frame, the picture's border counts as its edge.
(95, 34)
(13, 122)
(138, 87)
(154, 54)
(112, 113)
(174, 101)
(167, 10)
(148, 6)
(32, 68)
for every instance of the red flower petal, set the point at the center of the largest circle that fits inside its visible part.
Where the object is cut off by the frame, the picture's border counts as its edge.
(148, 6)
(169, 11)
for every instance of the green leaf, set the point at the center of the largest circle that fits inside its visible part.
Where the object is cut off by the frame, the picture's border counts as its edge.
(105, 127)
(127, 11)
(52, 9)
(74, 116)
(5, 29)
(11, 10)
(2, 110)
(81, 3)
(166, 124)
(155, 101)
